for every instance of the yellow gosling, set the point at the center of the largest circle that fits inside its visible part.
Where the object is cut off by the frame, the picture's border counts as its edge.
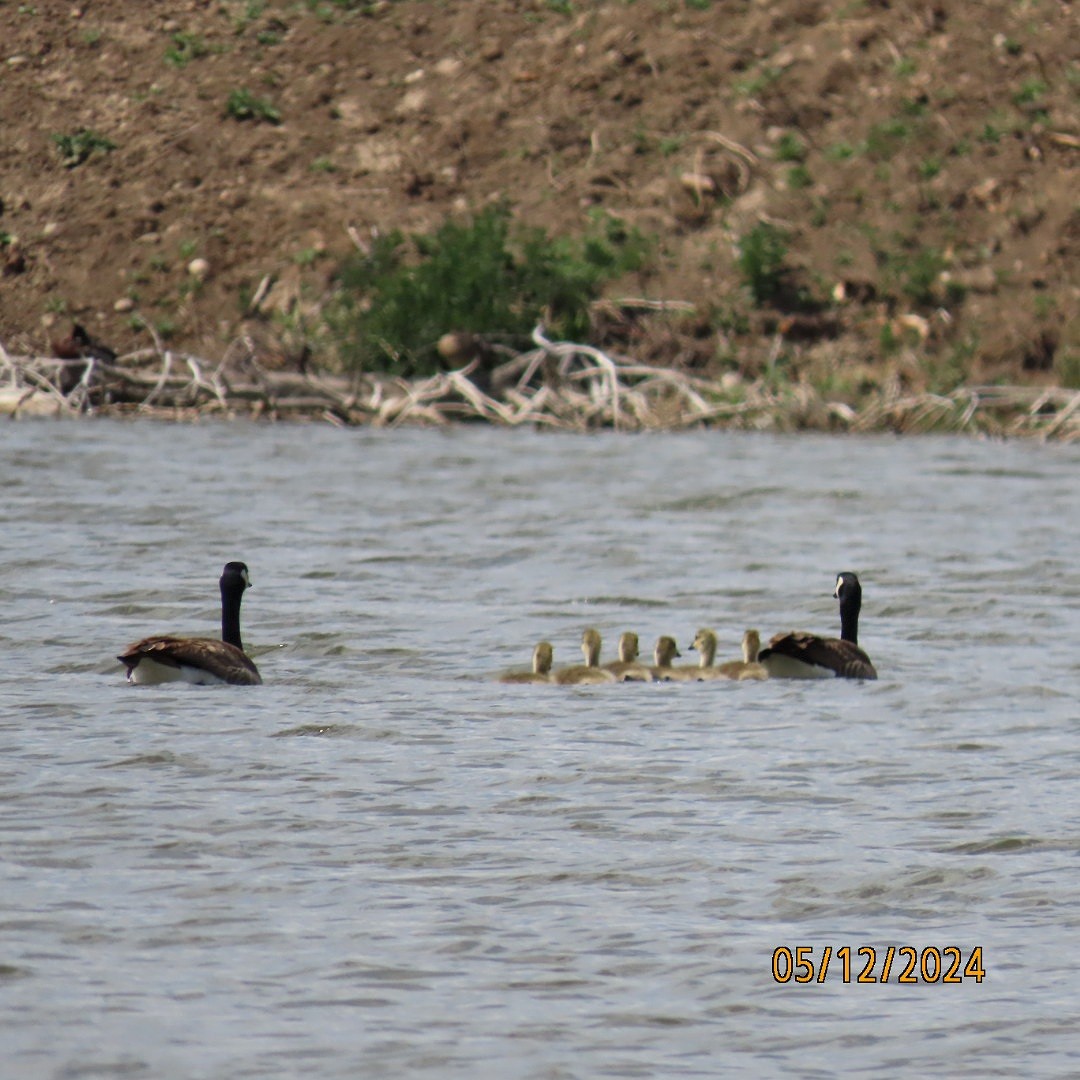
(748, 667)
(543, 656)
(628, 668)
(590, 672)
(663, 670)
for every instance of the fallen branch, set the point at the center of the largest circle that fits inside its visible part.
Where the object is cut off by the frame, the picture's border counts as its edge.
(557, 384)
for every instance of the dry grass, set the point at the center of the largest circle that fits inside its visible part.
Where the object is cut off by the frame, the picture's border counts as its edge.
(560, 385)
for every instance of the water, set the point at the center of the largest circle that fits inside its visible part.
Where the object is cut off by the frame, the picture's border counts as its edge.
(384, 863)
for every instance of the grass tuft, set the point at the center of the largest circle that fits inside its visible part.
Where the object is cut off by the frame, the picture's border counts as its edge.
(485, 275)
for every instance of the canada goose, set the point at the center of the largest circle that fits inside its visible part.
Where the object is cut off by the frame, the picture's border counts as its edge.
(662, 670)
(799, 655)
(628, 668)
(199, 660)
(541, 667)
(590, 671)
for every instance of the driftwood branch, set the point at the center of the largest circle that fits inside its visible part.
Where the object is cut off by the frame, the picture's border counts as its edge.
(557, 384)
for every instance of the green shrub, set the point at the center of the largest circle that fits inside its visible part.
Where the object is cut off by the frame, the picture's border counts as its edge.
(185, 48)
(790, 148)
(799, 177)
(1068, 366)
(920, 274)
(760, 260)
(1031, 91)
(883, 140)
(483, 275)
(244, 105)
(80, 146)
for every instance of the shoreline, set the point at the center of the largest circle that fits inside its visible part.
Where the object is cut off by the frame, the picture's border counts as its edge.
(563, 386)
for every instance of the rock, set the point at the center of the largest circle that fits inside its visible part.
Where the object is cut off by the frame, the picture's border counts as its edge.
(412, 101)
(198, 268)
(980, 279)
(448, 66)
(124, 305)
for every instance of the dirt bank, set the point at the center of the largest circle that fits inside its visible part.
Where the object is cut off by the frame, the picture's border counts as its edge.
(923, 161)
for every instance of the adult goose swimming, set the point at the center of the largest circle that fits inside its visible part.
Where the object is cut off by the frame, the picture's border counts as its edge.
(205, 661)
(799, 655)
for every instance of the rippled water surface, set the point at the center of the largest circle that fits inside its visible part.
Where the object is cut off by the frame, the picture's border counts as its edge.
(383, 863)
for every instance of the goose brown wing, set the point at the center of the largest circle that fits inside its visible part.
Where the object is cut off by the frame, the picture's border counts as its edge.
(843, 657)
(853, 663)
(226, 661)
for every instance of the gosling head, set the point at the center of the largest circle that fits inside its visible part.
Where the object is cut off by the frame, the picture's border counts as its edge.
(666, 650)
(628, 647)
(590, 647)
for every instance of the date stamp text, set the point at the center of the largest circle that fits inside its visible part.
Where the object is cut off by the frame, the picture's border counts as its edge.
(869, 964)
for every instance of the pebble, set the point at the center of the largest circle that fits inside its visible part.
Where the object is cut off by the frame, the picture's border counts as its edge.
(198, 268)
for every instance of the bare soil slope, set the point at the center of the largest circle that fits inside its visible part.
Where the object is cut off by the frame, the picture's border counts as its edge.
(924, 160)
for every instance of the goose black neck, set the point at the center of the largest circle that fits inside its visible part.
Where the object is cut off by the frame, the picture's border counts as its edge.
(850, 603)
(232, 591)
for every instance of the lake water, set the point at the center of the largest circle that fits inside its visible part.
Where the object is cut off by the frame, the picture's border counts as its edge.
(382, 863)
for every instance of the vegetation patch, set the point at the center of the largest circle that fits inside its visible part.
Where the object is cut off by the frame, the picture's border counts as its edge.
(185, 48)
(244, 105)
(485, 275)
(80, 146)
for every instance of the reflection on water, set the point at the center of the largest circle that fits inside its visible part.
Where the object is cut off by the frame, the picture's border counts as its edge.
(382, 862)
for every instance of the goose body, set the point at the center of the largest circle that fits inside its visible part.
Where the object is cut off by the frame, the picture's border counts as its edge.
(748, 667)
(589, 672)
(799, 655)
(628, 668)
(663, 670)
(203, 661)
(541, 667)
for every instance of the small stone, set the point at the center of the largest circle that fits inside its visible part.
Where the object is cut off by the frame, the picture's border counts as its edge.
(448, 66)
(980, 279)
(198, 268)
(50, 228)
(412, 101)
(124, 305)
